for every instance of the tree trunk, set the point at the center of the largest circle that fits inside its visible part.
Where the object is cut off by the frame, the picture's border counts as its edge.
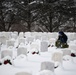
(50, 19)
(29, 26)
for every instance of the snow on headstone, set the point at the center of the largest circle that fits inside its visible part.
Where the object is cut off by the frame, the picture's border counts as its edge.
(5, 53)
(47, 66)
(21, 35)
(22, 50)
(21, 40)
(3, 39)
(23, 73)
(45, 72)
(44, 46)
(66, 52)
(35, 46)
(57, 57)
(10, 42)
(6, 34)
(14, 35)
(27, 34)
(52, 41)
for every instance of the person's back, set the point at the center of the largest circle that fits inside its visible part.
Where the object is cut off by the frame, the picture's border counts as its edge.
(62, 40)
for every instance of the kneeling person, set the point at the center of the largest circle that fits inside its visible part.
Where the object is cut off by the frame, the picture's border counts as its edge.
(62, 40)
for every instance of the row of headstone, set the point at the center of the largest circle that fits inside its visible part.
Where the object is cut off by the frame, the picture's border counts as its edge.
(26, 34)
(29, 35)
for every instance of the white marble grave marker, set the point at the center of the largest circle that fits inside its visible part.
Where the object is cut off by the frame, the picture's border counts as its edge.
(21, 40)
(10, 43)
(57, 56)
(66, 52)
(72, 47)
(5, 53)
(44, 46)
(3, 39)
(22, 50)
(35, 46)
(47, 66)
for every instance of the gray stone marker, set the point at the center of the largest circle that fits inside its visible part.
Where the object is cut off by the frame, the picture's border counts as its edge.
(66, 52)
(5, 53)
(44, 46)
(57, 57)
(72, 47)
(21, 40)
(22, 50)
(47, 66)
(3, 39)
(10, 43)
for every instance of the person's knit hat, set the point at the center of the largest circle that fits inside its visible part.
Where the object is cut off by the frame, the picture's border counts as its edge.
(61, 32)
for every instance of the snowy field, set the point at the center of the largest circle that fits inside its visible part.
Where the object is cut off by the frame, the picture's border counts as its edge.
(33, 53)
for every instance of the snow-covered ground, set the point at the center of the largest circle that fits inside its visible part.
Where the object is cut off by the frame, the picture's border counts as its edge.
(31, 62)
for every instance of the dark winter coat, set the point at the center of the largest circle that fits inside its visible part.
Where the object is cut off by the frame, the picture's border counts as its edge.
(62, 37)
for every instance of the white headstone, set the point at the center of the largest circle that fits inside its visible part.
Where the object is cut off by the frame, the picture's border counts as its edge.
(72, 47)
(23, 73)
(14, 35)
(22, 50)
(66, 52)
(38, 37)
(5, 53)
(10, 43)
(35, 46)
(3, 39)
(47, 66)
(57, 57)
(21, 35)
(44, 46)
(6, 34)
(21, 40)
(29, 39)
